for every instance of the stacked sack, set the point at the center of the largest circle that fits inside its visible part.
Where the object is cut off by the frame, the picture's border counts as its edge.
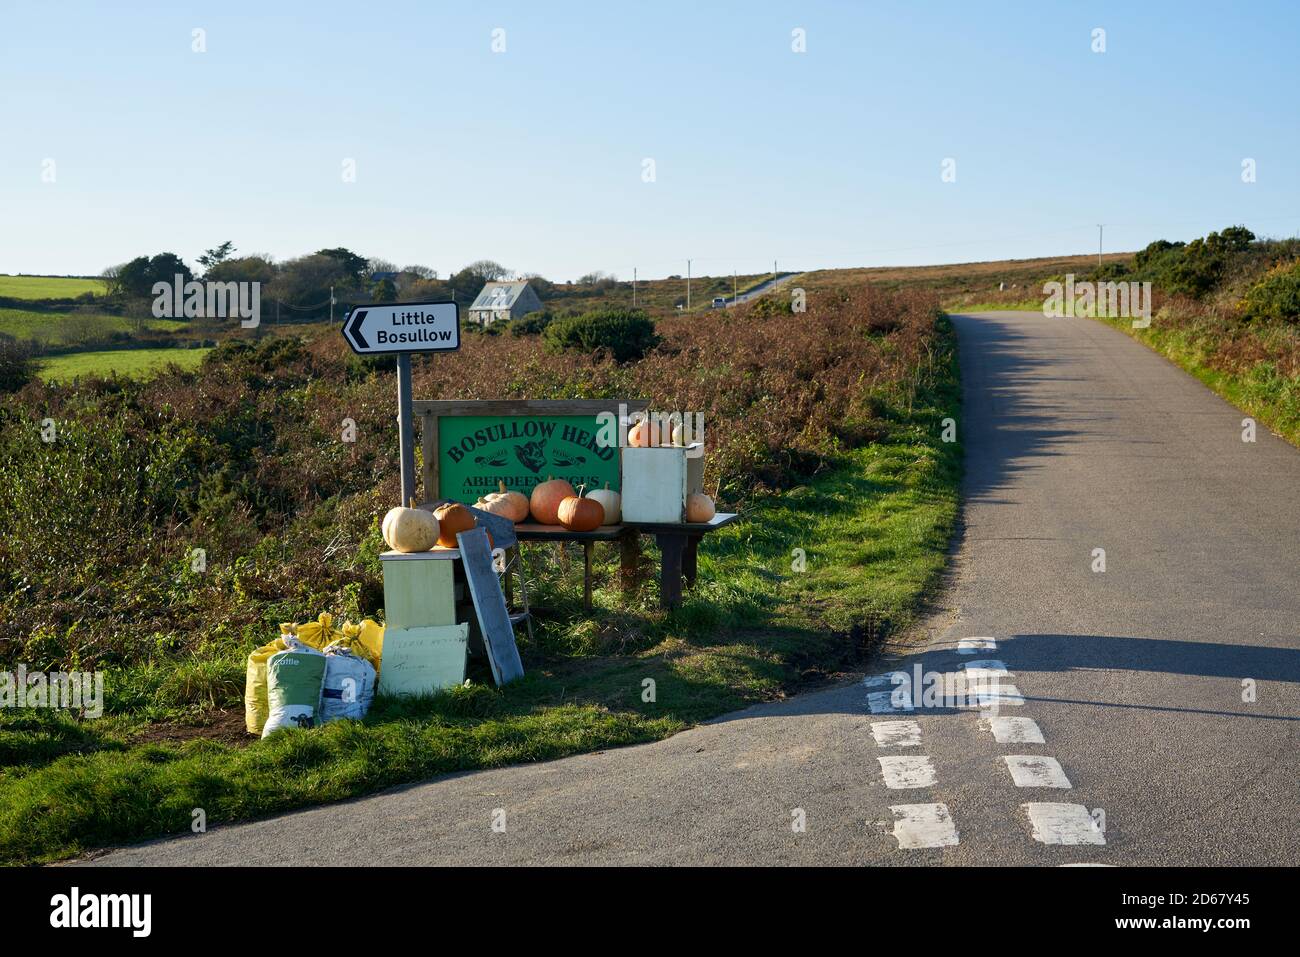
(312, 674)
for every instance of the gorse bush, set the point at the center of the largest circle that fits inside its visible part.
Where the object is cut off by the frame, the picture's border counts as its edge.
(1276, 296)
(532, 324)
(624, 334)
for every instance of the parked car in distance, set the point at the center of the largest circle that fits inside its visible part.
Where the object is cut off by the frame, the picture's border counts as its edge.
(719, 302)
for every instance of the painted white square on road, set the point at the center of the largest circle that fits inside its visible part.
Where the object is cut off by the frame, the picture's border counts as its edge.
(968, 646)
(882, 702)
(1036, 771)
(1063, 824)
(986, 668)
(896, 734)
(923, 825)
(904, 771)
(1014, 730)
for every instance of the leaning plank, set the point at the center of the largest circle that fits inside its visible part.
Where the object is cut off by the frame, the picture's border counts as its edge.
(490, 606)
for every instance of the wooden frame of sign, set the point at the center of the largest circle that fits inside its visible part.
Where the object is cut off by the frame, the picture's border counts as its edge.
(430, 411)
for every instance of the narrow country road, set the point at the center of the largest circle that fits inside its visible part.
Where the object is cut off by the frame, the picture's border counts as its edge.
(1150, 713)
(762, 288)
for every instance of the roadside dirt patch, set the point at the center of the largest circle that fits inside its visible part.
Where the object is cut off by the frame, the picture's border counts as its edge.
(226, 727)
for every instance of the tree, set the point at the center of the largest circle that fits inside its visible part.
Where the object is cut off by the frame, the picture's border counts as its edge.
(136, 278)
(216, 255)
(355, 268)
(305, 282)
(421, 272)
(384, 291)
(488, 270)
(258, 268)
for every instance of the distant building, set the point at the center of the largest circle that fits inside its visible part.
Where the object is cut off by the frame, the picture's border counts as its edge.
(504, 300)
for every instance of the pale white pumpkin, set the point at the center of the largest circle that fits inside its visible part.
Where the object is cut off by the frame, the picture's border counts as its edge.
(409, 529)
(611, 502)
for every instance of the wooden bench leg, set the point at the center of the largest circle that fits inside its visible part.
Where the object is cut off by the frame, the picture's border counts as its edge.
(671, 546)
(587, 546)
(629, 547)
(690, 555)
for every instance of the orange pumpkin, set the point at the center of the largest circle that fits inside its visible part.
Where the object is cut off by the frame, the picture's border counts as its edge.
(644, 434)
(511, 505)
(546, 499)
(581, 514)
(452, 518)
(700, 508)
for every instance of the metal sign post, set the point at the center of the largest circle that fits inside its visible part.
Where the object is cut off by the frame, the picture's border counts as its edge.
(403, 328)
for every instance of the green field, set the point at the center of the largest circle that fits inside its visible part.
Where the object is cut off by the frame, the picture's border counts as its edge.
(66, 328)
(48, 287)
(136, 363)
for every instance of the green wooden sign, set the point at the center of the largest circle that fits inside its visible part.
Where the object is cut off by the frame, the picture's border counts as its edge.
(470, 446)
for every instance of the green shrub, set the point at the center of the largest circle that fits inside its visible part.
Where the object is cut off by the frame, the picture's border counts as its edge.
(16, 366)
(626, 334)
(1276, 295)
(533, 324)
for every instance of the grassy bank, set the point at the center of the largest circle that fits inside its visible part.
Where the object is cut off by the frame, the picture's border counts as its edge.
(831, 452)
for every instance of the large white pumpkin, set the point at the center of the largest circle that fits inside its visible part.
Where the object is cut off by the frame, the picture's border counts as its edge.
(410, 529)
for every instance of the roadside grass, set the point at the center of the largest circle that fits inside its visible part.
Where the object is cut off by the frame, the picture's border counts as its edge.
(49, 287)
(133, 363)
(1016, 305)
(1258, 387)
(790, 597)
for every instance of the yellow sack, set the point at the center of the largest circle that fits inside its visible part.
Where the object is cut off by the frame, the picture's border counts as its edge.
(365, 640)
(256, 707)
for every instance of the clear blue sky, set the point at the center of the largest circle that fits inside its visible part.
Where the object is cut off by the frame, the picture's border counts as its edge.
(533, 156)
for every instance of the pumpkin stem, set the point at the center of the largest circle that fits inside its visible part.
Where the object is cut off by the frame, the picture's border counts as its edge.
(412, 501)
(501, 485)
(581, 489)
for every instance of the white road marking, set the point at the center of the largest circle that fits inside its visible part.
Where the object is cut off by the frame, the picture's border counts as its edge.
(896, 734)
(905, 771)
(1002, 695)
(968, 646)
(1036, 771)
(923, 825)
(881, 702)
(882, 681)
(987, 668)
(1013, 730)
(1063, 824)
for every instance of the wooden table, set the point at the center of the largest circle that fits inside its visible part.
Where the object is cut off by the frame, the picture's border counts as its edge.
(678, 547)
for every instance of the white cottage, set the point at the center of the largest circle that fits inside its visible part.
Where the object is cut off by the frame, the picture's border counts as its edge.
(504, 300)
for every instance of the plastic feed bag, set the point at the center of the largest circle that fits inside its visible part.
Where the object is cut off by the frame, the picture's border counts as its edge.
(349, 685)
(293, 687)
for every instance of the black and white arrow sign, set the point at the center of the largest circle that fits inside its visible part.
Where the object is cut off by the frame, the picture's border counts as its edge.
(403, 327)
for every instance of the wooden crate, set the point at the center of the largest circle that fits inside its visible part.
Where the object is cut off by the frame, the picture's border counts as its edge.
(657, 482)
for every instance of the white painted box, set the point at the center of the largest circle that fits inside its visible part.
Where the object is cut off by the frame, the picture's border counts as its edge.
(657, 482)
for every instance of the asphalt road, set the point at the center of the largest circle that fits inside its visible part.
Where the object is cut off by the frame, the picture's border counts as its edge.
(1077, 438)
(762, 289)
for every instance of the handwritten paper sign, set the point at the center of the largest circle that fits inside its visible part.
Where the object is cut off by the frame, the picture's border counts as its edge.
(423, 660)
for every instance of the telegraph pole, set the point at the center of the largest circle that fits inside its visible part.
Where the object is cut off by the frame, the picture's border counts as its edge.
(688, 285)
(733, 287)
(633, 287)
(1100, 228)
